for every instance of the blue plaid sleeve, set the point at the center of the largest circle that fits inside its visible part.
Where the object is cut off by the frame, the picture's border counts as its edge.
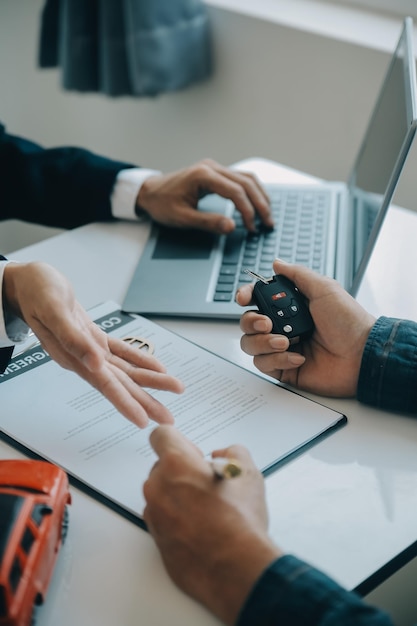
(291, 593)
(388, 374)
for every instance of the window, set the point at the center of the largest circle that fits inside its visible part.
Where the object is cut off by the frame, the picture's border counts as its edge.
(15, 574)
(10, 507)
(3, 602)
(27, 540)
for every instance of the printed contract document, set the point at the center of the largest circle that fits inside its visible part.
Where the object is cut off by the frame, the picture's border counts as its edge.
(61, 418)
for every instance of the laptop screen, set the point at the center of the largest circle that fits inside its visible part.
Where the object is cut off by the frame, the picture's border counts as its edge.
(385, 145)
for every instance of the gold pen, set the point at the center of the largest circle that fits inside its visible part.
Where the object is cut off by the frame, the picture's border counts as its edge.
(225, 468)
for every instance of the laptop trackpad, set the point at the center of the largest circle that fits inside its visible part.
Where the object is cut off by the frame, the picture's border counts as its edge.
(183, 244)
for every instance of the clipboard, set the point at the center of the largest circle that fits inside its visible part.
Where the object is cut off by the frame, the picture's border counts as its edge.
(53, 414)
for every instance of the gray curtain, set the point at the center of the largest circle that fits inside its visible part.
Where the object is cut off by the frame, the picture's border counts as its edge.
(126, 47)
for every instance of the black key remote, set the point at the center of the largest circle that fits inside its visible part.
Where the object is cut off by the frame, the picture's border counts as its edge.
(285, 305)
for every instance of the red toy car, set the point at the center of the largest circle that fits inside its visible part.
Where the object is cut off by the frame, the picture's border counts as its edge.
(34, 499)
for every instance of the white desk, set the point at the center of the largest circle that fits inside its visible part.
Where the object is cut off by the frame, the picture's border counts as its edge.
(349, 505)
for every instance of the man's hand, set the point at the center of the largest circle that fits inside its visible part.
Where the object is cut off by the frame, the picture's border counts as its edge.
(329, 362)
(212, 533)
(172, 199)
(44, 298)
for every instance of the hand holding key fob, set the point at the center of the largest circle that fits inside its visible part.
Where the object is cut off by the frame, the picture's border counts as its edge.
(284, 304)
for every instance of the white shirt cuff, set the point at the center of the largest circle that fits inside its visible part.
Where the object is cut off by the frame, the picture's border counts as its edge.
(12, 328)
(125, 191)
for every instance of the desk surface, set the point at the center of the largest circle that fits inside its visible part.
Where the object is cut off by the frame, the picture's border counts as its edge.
(349, 505)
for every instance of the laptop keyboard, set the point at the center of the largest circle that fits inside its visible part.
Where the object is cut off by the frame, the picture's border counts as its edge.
(299, 236)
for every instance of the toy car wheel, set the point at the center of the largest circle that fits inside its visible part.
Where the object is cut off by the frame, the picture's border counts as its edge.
(65, 523)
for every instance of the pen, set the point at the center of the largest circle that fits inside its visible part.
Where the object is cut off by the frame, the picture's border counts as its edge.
(225, 468)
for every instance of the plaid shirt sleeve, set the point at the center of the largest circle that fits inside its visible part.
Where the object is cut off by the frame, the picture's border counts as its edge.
(290, 592)
(388, 375)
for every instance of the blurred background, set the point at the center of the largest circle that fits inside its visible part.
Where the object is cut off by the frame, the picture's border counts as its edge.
(280, 89)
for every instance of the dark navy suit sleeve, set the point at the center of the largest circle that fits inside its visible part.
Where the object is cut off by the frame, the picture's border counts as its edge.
(5, 356)
(64, 187)
(5, 353)
(291, 593)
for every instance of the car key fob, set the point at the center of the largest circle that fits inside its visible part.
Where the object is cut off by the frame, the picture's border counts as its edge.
(285, 305)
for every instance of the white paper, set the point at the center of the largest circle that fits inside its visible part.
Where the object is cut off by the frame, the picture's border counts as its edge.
(56, 414)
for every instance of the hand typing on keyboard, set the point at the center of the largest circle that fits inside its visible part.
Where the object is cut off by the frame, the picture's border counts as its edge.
(172, 199)
(301, 222)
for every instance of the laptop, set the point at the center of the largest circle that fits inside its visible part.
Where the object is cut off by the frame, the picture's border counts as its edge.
(331, 227)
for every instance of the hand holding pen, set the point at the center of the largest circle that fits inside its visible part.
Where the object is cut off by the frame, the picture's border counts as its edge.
(224, 467)
(210, 530)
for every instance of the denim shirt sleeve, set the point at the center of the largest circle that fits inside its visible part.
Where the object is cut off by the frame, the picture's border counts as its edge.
(388, 374)
(292, 593)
